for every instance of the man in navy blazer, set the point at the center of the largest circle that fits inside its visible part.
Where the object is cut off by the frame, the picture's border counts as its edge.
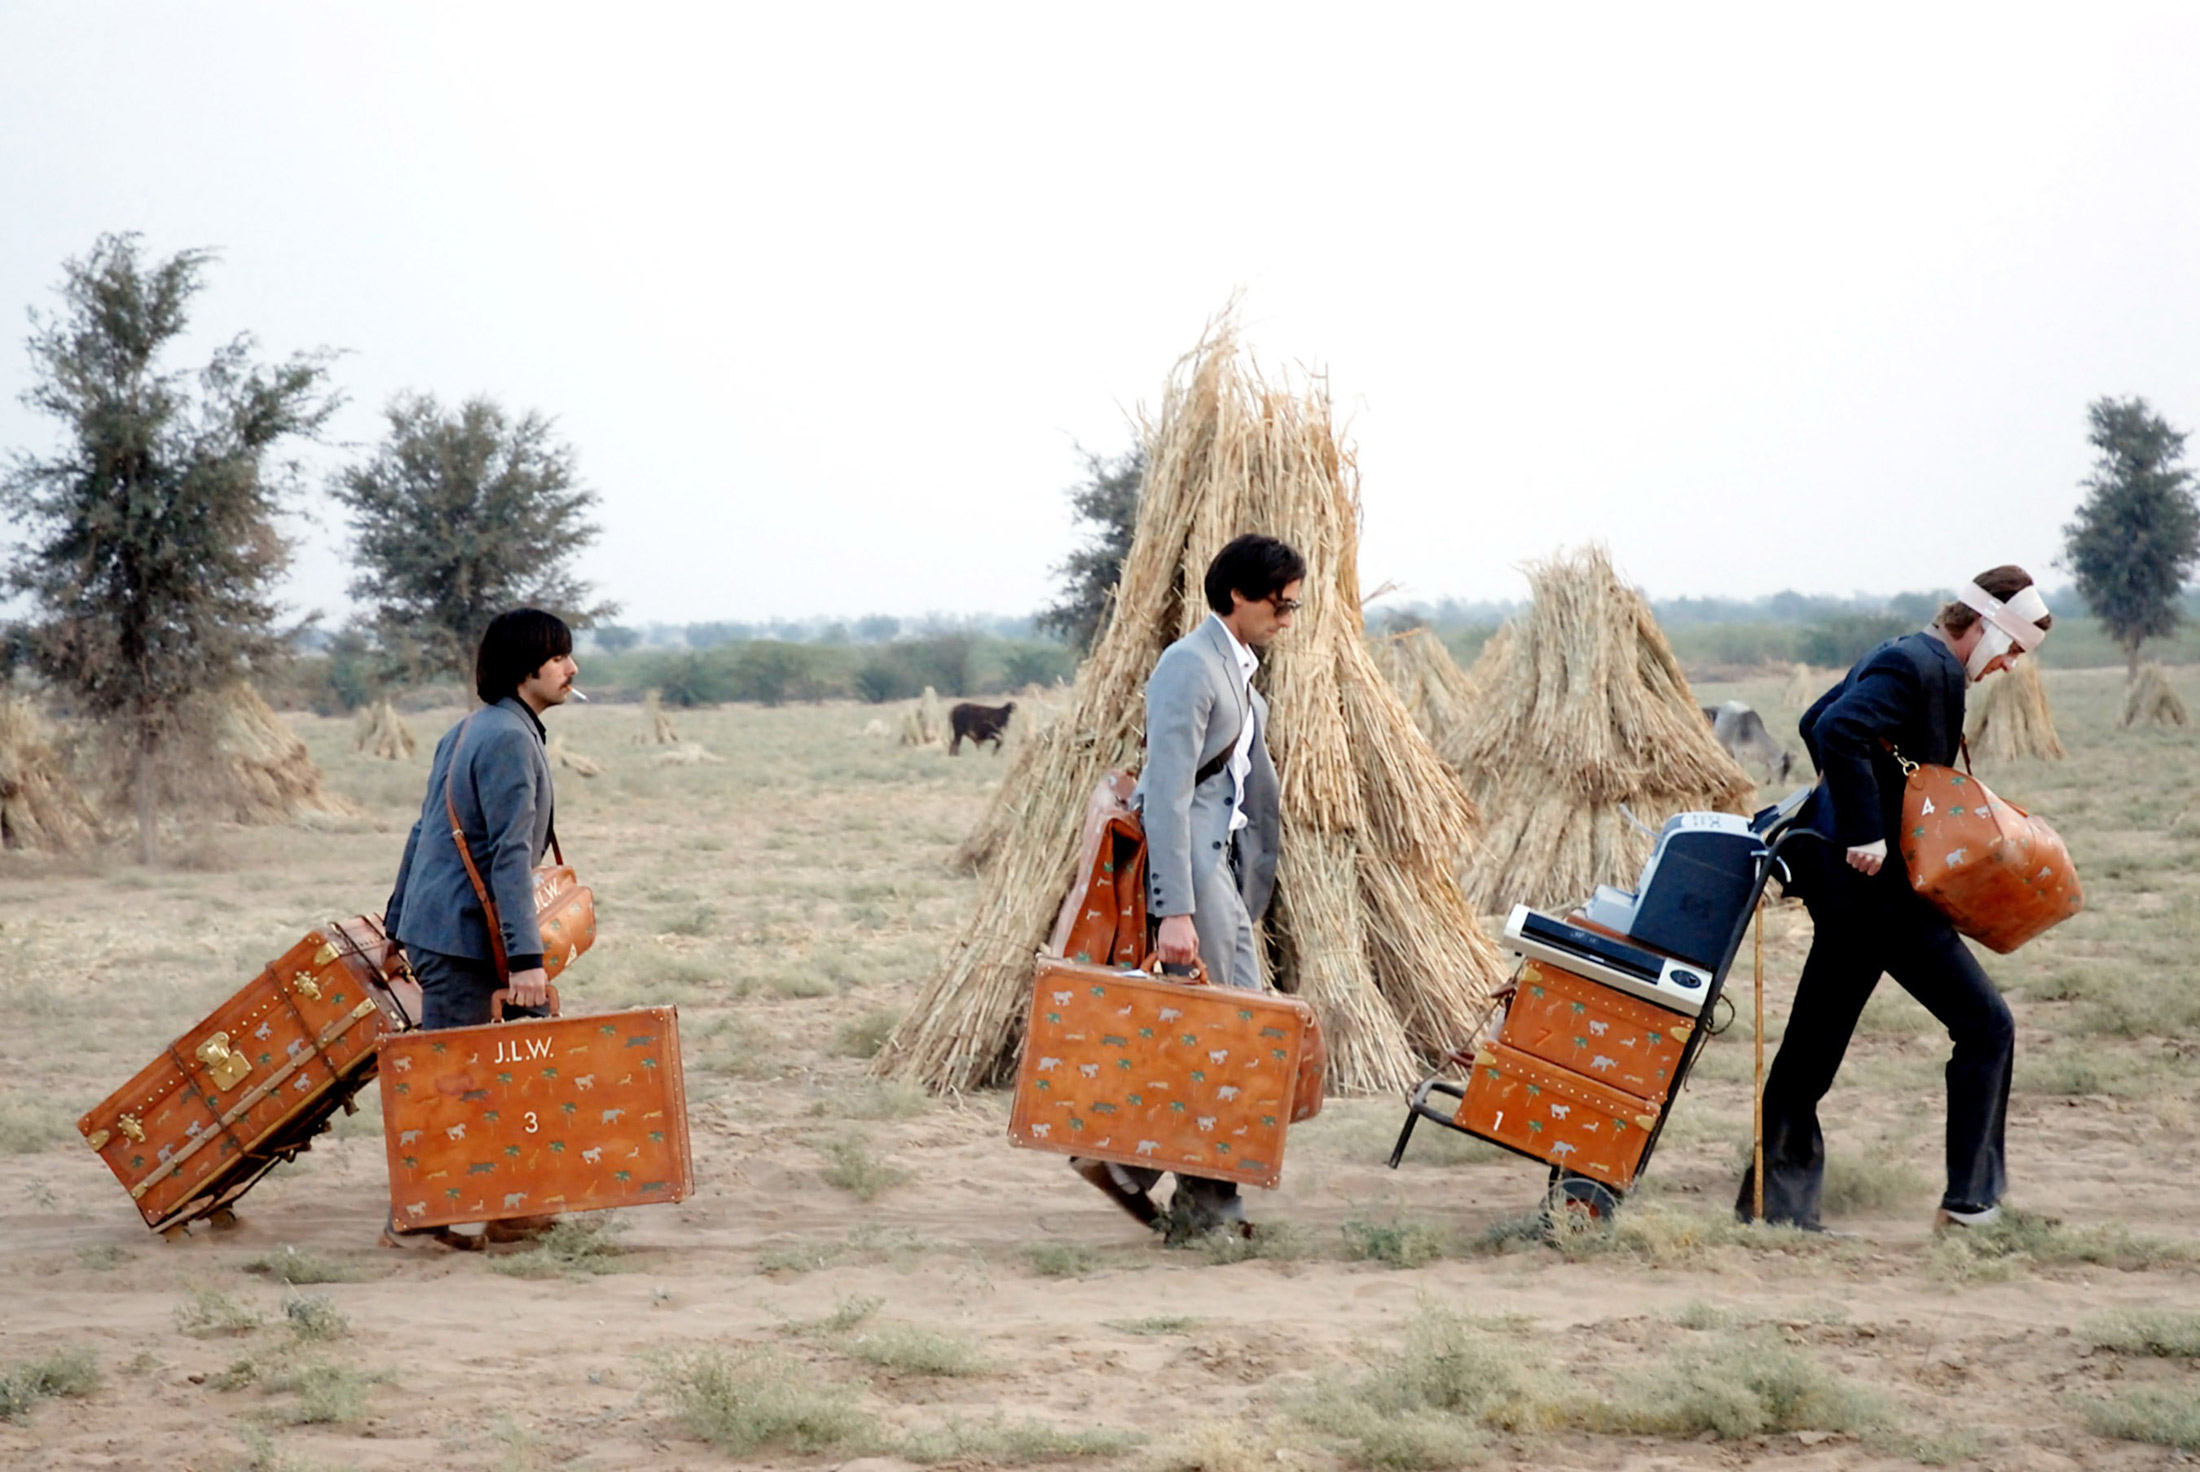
(1210, 804)
(497, 771)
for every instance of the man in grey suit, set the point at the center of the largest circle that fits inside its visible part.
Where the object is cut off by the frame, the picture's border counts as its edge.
(496, 770)
(1209, 802)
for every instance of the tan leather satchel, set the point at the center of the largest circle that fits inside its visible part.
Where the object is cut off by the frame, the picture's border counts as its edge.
(565, 908)
(2000, 875)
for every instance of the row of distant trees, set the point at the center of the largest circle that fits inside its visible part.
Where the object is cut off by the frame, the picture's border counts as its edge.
(151, 541)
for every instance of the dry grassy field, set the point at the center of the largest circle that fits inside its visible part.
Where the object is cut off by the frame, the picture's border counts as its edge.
(866, 1275)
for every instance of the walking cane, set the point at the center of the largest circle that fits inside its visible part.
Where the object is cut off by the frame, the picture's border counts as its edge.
(1757, 1105)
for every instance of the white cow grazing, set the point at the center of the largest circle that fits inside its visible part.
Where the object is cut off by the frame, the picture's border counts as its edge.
(1742, 732)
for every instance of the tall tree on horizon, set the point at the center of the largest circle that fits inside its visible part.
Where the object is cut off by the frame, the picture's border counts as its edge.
(1106, 502)
(151, 539)
(459, 516)
(2136, 536)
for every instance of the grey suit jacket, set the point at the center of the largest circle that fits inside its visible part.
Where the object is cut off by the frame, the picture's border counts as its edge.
(502, 792)
(1195, 705)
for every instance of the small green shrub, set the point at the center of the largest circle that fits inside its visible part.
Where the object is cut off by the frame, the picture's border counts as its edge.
(1061, 1259)
(315, 1317)
(210, 1313)
(68, 1372)
(1864, 1184)
(2151, 1413)
(576, 1247)
(2023, 1241)
(855, 1170)
(748, 1401)
(1400, 1242)
(289, 1266)
(2162, 1333)
(102, 1257)
(328, 1394)
(875, 1099)
(1002, 1442)
(30, 1122)
(1732, 1384)
(912, 1349)
(863, 1036)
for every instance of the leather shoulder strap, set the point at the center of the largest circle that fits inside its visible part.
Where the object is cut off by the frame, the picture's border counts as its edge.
(466, 857)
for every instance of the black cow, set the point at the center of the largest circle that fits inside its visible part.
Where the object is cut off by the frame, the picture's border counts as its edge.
(981, 723)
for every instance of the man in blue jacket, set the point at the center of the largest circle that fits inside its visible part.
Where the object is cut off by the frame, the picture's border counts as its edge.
(493, 769)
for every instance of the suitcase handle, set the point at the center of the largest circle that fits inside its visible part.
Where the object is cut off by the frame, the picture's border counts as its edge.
(504, 993)
(1197, 976)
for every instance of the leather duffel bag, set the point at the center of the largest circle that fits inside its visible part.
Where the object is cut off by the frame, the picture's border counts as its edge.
(2000, 875)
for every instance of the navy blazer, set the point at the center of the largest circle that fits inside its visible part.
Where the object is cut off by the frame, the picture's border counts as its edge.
(502, 792)
(1907, 692)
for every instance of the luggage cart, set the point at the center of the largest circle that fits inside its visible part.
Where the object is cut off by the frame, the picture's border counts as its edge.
(1572, 1191)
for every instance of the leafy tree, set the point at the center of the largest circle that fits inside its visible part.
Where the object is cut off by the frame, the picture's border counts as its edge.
(616, 638)
(2137, 533)
(459, 516)
(1107, 503)
(150, 541)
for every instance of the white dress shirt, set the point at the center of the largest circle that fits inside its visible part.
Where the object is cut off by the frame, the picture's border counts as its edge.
(1241, 760)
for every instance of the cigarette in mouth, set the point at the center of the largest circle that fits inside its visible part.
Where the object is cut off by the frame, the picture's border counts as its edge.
(577, 695)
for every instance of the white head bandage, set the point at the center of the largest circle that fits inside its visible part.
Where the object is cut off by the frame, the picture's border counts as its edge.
(2013, 624)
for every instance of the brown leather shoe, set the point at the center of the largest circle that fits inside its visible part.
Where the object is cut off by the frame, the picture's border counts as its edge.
(1137, 1203)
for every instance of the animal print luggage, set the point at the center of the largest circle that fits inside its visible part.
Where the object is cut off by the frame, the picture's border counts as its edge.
(252, 1084)
(1596, 1031)
(1123, 1066)
(535, 1115)
(1554, 1114)
(2000, 875)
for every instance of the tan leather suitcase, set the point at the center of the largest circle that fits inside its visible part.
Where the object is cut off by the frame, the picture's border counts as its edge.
(250, 1086)
(535, 1115)
(1555, 1114)
(1595, 1030)
(1143, 1071)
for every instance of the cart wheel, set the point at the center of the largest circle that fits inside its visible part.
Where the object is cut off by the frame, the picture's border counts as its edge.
(1577, 1203)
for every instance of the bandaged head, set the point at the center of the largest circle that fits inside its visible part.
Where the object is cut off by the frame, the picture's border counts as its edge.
(2003, 625)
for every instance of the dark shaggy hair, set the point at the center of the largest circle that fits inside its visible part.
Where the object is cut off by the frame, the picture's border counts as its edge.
(1256, 566)
(514, 646)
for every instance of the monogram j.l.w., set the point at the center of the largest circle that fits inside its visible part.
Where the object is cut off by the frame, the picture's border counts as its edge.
(534, 1115)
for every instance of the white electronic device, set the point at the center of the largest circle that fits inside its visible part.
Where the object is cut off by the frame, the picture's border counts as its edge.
(1619, 964)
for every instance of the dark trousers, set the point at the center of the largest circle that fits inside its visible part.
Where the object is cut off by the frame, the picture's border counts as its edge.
(455, 990)
(1863, 928)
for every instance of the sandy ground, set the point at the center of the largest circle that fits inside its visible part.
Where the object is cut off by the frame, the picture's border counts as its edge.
(797, 889)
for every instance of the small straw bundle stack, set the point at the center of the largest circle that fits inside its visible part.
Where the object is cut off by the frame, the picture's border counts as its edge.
(261, 772)
(1368, 924)
(1433, 687)
(1805, 685)
(572, 761)
(2011, 718)
(40, 808)
(660, 732)
(924, 723)
(2151, 701)
(1583, 709)
(383, 734)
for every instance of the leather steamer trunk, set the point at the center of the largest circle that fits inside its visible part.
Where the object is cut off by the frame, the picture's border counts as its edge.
(250, 1086)
(1143, 1071)
(536, 1114)
(1596, 1031)
(1553, 1114)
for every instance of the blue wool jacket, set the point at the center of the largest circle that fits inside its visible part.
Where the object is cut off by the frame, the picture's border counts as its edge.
(1908, 692)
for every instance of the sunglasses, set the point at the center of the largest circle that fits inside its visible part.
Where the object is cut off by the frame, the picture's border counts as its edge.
(1282, 604)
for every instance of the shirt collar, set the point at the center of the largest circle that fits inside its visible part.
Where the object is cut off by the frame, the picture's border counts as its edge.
(541, 733)
(1247, 661)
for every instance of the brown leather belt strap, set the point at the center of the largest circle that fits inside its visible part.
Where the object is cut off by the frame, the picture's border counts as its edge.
(466, 857)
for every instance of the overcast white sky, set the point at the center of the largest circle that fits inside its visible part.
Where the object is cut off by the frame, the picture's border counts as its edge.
(822, 294)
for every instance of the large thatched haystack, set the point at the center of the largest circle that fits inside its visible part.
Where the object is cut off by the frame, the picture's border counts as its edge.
(2151, 701)
(383, 734)
(260, 771)
(924, 722)
(2011, 718)
(567, 759)
(1368, 922)
(40, 808)
(1435, 689)
(1583, 709)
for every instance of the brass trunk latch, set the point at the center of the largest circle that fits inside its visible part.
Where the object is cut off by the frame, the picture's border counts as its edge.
(129, 1126)
(306, 986)
(226, 1066)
